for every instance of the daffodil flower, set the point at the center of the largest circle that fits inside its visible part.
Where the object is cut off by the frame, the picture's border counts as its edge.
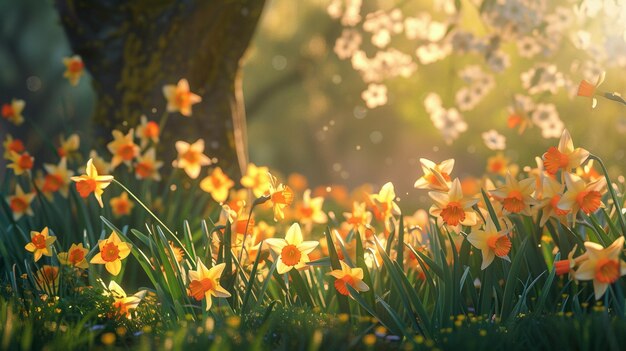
(452, 207)
(75, 256)
(293, 251)
(588, 89)
(552, 191)
(257, 179)
(20, 203)
(112, 252)
(384, 206)
(40, 243)
(180, 98)
(121, 205)
(603, 265)
(191, 157)
(348, 276)
(74, 68)
(57, 179)
(491, 242)
(147, 166)
(217, 184)
(310, 210)
(565, 157)
(21, 163)
(123, 303)
(359, 218)
(92, 182)
(281, 196)
(13, 111)
(204, 283)
(516, 196)
(147, 131)
(580, 195)
(123, 148)
(436, 176)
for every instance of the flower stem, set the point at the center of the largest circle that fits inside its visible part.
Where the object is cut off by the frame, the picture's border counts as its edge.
(178, 242)
(612, 192)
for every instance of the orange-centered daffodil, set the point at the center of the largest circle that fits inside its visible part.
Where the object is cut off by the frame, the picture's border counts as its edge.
(491, 242)
(580, 195)
(452, 207)
(191, 157)
(40, 243)
(292, 251)
(217, 184)
(180, 98)
(436, 176)
(92, 182)
(516, 196)
(603, 265)
(565, 157)
(112, 252)
(204, 283)
(75, 256)
(348, 276)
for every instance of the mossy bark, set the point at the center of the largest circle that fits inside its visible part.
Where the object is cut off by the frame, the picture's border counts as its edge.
(133, 48)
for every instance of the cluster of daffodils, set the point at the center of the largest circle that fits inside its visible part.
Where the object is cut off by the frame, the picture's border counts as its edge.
(562, 188)
(110, 254)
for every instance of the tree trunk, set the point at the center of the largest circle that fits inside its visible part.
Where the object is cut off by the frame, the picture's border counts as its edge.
(133, 48)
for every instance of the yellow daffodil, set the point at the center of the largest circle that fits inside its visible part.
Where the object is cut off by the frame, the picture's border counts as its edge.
(13, 112)
(384, 205)
(204, 283)
(121, 205)
(147, 131)
(603, 265)
(75, 256)
(552, 191)
(498, 164)
(491, 242)
(191, 157)
(10, 144)
(217, 184)
(565, 157)
(92, 182)
(147, 166)
(57, 179)
(123, 148)
(348, 276)
(588, 89)
(292, 251)
(359, 218)
(436, 176)
(69, 146)
(281, 196)
(452, 207)
(180, 98)
(74, 68)
(516, 196)
(112, 252)
(122, 304)
(21, 163)
(40, 243)
(310, 210)
(257, 179)
(581, 195)
(20, 203)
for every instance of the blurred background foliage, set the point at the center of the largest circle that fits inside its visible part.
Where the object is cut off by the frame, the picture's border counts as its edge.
(304, 107)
